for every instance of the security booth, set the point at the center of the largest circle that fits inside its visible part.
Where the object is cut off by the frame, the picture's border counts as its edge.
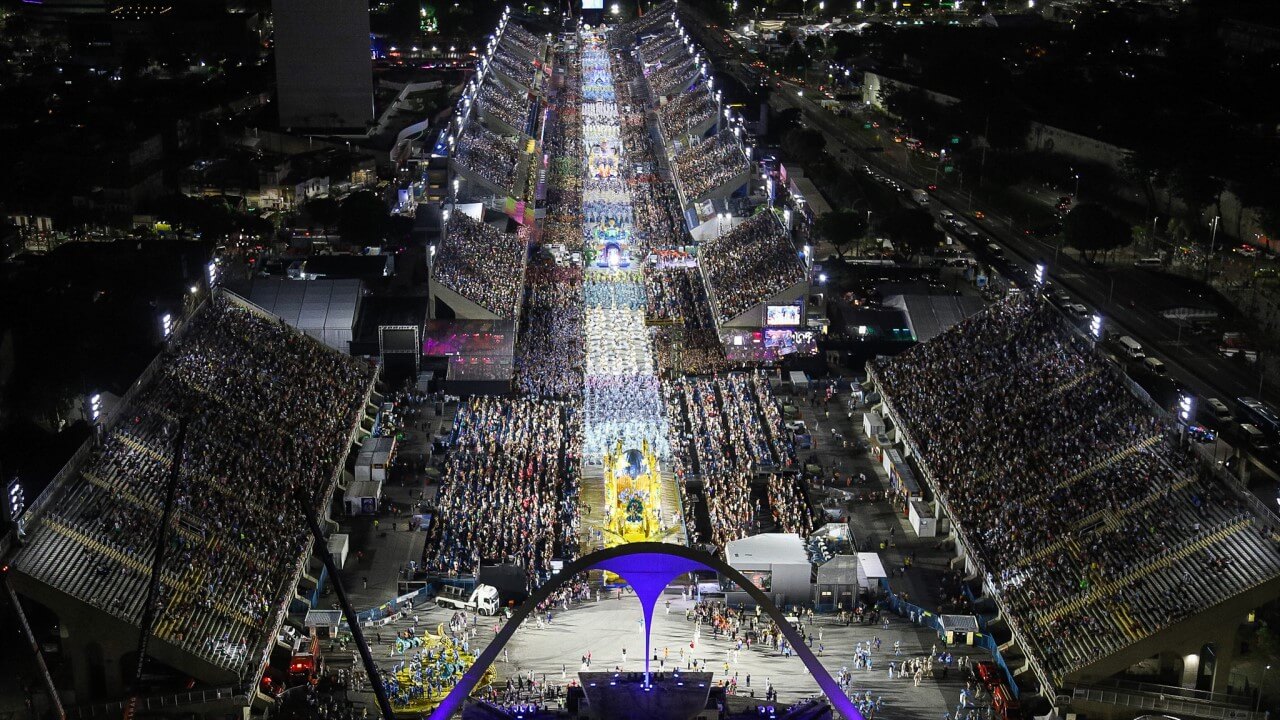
(872, 424)
(920, 513)
(837, 586)
(871, 575)
(323, 623)
(958, 629)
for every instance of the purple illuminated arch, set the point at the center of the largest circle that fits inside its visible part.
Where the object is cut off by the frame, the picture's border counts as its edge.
(648, 567)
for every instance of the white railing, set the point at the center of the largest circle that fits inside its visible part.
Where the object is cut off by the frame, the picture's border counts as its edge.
(1163, 704)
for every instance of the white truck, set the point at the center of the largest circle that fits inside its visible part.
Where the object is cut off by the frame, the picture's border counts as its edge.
(484, 599)
(921, 197)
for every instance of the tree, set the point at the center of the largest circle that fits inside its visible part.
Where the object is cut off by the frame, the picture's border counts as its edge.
(324, 210)
(1269, 222)
(1091, 228)
(803, 145)
(363, 219)
(847, 46)
(913, 229)
(796, 59)
(842, 228)
(1193, 185)
(813, 45)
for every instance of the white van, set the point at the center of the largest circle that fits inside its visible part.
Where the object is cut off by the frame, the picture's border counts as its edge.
(1218, 410)
(1131, 347)
(1155, 366)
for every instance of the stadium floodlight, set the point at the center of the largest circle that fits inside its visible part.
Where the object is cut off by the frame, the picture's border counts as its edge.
(1040, 269)
(211, 270)
(15, 499)
(166, 325)
(194, 289)
(1095, 326)
(615, 9)
(93, 407)
(1186, 408)
(822, 278)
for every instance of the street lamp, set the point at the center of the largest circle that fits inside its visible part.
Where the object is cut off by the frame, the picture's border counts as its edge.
(1213, 245)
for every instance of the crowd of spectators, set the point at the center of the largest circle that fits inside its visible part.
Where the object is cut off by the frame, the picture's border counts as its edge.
(729, 429)
(707, 165)
(269, 416)
(748, 264)
(658, 222)
(512, 64)
(686, 111)
(698, 352)
(510, 488)
(489, 155)
(661, 47)
(563, 223)
(525, 40)
(549, 349)
(675, 77)
(503, 104)
(1035, 441)
(481, 263)
(788, 506)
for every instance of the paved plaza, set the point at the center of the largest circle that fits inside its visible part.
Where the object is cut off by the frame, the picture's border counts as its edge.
(607, 627)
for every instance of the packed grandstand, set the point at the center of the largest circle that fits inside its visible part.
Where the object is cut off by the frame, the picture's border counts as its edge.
(1094, 522)
(271, 415)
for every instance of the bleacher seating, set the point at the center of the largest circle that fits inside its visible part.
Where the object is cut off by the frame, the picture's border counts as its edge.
(528, 42)
(1095, 523)
(488, 154)
(686, 111)
(503, 104)
(709, 165)
(511, 63)
(270, 413)
(749, 264)
(482, 264)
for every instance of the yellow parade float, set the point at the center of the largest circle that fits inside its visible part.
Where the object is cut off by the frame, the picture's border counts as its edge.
(632, 496)
(430, 666)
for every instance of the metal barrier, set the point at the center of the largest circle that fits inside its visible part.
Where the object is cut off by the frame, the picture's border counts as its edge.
(196, 697)
(396, 605)
(1242, 701)
(1163, 704)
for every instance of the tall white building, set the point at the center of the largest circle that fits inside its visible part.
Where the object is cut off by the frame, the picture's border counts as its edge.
(324, 70)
